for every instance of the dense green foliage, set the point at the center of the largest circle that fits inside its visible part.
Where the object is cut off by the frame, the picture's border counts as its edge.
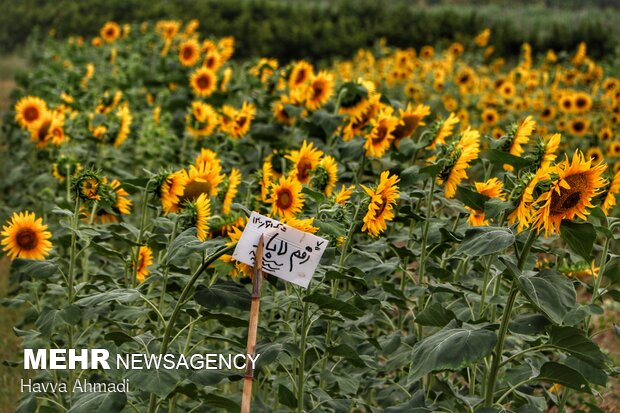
(318, 30)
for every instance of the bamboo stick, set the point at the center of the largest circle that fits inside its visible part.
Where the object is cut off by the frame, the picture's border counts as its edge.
(257, 281)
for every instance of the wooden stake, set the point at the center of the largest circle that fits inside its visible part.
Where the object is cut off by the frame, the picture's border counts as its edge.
(257, 281)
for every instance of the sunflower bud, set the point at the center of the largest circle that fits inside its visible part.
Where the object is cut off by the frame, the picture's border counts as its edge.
(87, 185)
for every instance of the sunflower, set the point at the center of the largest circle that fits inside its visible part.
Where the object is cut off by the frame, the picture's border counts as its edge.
(226, 76)
(523, 211)
(122, 203)
(29, 110)
(410, 120)
(325, 175)
(207, 157)
(381, 205)
(381, 135)
(110, 32)
(145, 259)
(595, 154)
(356, 97)
(202, 208)
(344, 194)
(570, 193)
(507, 90)
(354, 125)
(490, 116)
(444, 130)
(65, 167)
(171, 190)
(305, 160)
(609, 201)
(189, 52)
(124, 114)
(547, 113)
(605, 134)
(48, 130)
(566, 103)
(301, 73)
(203, 82)
(613, 149)
(213, 60)
(236, 123)
(493, 188)
(462, 154)
(202, 120)
(548, 148)
(287, 199)
(520, 137)
(204, 178)
(280, 112)
(482, 39)
(579, 126)
(583, 102)
(25, 236)
(320, 90)
(266, 176)
(240, 268)
(233, 186)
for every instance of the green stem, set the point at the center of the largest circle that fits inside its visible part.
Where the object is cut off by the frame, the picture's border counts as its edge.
(302, 359)
(485, 280)
(503, 329)
(423, 252)
(136, 260)
(599, 277)
(177, 308)
(72, 254)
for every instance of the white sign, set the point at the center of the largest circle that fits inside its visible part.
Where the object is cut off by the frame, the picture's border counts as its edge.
(288, 253)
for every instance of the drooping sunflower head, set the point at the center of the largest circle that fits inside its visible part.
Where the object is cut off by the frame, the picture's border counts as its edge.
(205, 178)
(609, 200)
(25, 236)
(29, 110)
(124, 118)
(355, 97)
(305, 160)
(300, 74)
(325, 176)
(66, 166)
(410, 120)
(203, 82)
(381, 135)
(145, 259)
(87, 185)
(443, 129)
(545, 150)
(492, 188)
(231, 191)
(170, 190)
(320, 90)
(381, 204)
(344, 194)
(286, 197)
(458, 159)
(570, 193)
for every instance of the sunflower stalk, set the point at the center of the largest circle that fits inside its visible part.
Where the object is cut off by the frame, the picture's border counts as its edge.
(503, 329)
(165, 342)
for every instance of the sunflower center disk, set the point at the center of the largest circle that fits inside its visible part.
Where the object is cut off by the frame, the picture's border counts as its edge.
(26, 239)
(31, 114)
(569, 198)
(285, 199)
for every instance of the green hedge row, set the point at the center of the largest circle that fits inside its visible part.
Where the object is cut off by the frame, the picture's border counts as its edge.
(316, 29)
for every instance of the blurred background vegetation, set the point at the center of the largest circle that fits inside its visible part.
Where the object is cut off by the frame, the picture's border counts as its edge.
(321, 29)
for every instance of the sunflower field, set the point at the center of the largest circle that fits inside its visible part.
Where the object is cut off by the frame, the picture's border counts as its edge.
(469, 202)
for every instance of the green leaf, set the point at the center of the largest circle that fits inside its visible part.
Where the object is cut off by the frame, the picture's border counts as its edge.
(326, 302)
(471, 198)
(451, 348)
(223, 294)
(550, 292)
(528, 324)
(108, 402)
(572, 340)
(119, 294)
(48, 320)
(211, 377)
(592, 374)
(579, 236)
(286, 397)
(553, 372)
(498, 157)
(33, 269)
(161, 382)
(185, 244)
(349, 353)
(436, 315)
(481, 241)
